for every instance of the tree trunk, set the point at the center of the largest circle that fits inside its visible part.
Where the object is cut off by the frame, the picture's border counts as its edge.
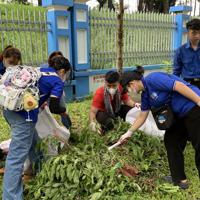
(39, 2)
(140, 6)
(120, 17)
(166, 6)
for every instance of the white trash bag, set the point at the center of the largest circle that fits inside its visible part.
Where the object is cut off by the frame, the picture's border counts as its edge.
(47, 125)
(149, 127)
(4, 146)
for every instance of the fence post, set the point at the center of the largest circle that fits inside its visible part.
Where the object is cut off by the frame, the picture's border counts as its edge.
(181, 17)
(81, 47)
(60, 36)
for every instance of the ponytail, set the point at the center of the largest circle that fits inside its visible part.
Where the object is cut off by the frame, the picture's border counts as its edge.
(139, 72)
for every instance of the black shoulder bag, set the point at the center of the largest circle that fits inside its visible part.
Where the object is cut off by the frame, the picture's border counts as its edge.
(163, 117)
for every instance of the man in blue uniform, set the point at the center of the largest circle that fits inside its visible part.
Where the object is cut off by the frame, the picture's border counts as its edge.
(187, 58)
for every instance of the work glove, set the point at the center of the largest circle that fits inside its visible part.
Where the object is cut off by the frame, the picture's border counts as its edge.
(66, 121)
(137, 105)
(124, 138)
(92, 126)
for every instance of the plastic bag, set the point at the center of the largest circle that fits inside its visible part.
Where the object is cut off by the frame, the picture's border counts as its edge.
(149, 127)
(5, 145)
(47, 125)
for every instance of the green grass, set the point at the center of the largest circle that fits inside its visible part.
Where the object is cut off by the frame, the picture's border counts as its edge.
(145, 152)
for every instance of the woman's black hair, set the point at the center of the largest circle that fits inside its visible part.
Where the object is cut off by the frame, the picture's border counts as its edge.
(60, 62)
(129, 76)
(52, 55)
(112, 77)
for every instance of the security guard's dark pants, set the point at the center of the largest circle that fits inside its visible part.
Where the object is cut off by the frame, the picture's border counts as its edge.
(187, 128)
(107, 122)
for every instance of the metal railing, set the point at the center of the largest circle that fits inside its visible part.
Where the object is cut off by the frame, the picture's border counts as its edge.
(148, 38)
(25, 27)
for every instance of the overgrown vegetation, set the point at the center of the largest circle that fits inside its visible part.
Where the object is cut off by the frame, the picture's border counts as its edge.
(86, 170)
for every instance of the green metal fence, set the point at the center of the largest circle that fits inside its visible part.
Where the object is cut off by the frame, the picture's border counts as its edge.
(148, 38)
(24, 27)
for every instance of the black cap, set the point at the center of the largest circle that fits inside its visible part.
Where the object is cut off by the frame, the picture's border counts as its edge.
(126, 78)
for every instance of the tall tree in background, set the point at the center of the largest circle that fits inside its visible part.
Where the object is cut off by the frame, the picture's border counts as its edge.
(39, 2)
(21, 1)
(160, 6)
(120, 32)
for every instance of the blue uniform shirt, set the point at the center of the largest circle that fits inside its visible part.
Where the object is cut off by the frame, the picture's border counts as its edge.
(159, 91)
(187, 62)
(48, 85)
(2, 68)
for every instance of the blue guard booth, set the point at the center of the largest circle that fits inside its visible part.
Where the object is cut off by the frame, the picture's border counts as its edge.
(69, 25)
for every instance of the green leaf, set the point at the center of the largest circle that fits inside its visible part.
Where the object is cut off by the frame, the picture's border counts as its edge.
(96, 196)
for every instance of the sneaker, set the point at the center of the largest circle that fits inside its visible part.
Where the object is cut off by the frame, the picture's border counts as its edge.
(168, 179)
(29, 171)
(26, 178)
(183, 185)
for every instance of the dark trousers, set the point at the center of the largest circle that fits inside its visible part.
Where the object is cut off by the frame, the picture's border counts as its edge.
(196, 83)
(176, 137)
(107, 122)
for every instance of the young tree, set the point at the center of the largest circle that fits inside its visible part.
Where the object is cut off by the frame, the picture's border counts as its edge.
(120, 37)
(120, 32)
(21, 1)
(39, 2)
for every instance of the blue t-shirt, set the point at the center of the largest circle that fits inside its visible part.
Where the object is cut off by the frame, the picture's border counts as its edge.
(187, 62)
(2, 68)
(48, 85)
(159, 90)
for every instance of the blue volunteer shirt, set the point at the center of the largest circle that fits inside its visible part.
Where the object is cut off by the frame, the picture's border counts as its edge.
(159, 91)
(48, 85)
(2, 68)
(187, 62)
